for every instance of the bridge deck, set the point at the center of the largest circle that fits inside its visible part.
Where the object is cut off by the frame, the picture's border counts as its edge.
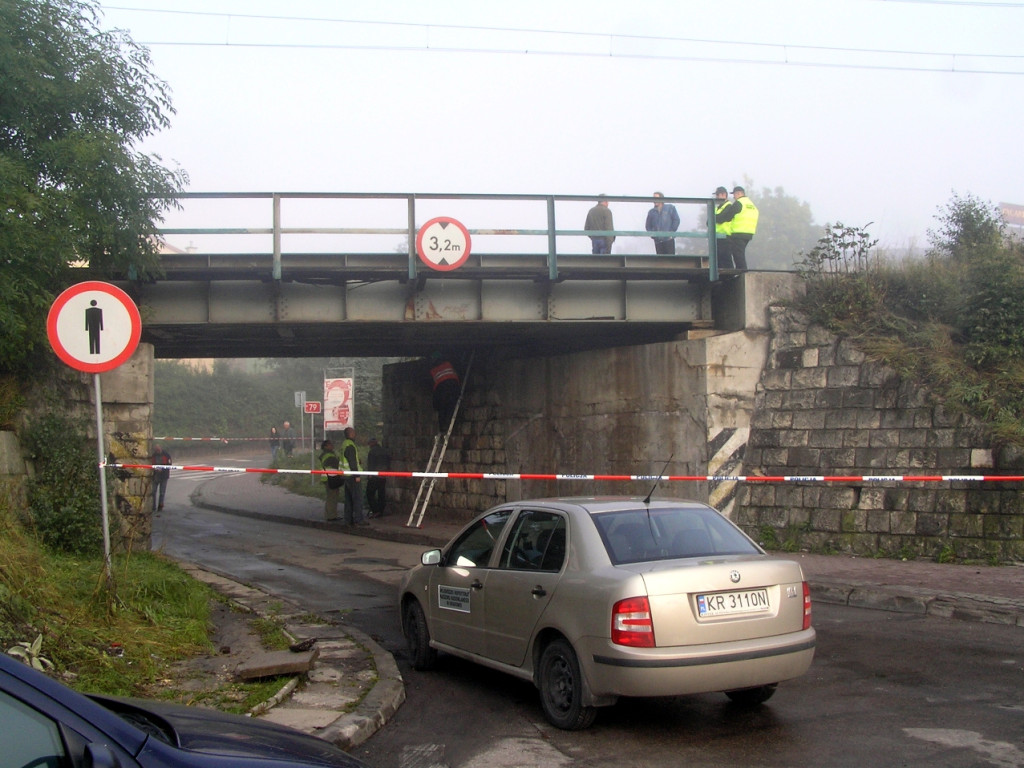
(314, 290)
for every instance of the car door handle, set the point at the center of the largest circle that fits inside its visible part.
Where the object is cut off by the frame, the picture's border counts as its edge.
(538, 591)
(477, 584)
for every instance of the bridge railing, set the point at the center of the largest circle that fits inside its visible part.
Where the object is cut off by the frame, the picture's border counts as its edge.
(375, 233)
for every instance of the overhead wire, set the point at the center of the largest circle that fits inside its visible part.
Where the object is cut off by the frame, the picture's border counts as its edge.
(786, 51)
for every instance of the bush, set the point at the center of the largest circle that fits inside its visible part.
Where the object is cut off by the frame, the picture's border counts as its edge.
(64, 494)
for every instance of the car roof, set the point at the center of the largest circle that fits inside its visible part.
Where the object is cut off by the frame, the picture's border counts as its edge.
(601, 504)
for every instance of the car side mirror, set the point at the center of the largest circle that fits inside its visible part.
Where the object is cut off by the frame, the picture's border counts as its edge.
(100, 756)
(431, 557)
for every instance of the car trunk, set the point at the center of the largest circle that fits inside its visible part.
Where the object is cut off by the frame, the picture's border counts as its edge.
(698, 601)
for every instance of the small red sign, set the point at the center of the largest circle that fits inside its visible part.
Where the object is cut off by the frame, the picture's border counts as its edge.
(312, 406)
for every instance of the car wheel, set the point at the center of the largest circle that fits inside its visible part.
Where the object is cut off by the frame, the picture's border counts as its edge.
(751, 697)
(561, 688)
(417, 637)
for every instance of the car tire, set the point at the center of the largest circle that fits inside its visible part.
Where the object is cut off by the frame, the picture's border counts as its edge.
(751, 697)
(417, 637)
(561, 688)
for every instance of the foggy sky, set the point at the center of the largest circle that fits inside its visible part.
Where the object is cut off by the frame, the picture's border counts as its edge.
(836, 102)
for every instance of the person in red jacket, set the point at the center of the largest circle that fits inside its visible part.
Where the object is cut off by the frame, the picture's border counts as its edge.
(447, 389)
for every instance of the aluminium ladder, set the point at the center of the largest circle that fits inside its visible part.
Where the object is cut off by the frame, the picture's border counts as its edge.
(436, 457)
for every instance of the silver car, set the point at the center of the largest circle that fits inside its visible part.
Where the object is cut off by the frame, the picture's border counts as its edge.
(596, 598)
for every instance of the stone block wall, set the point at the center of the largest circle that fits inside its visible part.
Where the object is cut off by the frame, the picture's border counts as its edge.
(127, 412)
(823, 408)
(623, 411)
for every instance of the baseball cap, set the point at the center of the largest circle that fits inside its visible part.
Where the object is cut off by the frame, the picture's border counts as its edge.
(722, 189)
(738, 188)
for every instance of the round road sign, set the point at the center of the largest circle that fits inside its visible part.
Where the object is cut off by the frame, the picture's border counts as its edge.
(443, 244)
(94, 326)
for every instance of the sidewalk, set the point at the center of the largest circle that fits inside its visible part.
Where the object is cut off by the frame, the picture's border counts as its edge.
(963, 592)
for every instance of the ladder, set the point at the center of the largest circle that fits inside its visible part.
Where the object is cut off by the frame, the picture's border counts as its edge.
(436, 457)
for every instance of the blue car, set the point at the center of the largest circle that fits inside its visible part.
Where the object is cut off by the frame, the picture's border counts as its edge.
(45, 724)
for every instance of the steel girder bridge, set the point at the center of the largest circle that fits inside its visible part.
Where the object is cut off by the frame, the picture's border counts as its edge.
(363, 275)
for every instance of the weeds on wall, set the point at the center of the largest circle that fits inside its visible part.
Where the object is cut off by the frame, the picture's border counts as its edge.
(64, 493)
(953, 321)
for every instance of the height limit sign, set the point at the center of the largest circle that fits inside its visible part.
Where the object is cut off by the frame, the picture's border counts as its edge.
(443, 244)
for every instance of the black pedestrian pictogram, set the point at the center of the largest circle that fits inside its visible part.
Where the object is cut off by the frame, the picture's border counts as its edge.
(94, 324)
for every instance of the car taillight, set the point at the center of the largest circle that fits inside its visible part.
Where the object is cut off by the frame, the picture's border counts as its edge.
(807, 605)
(632, 624)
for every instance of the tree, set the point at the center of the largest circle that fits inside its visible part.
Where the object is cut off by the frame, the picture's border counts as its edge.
(967, 225)
(785, 228)
(74, 189)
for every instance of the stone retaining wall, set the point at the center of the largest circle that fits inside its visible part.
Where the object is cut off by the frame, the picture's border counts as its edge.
(823, 408)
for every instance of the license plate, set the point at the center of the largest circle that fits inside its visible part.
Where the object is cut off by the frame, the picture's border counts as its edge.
(726, 603)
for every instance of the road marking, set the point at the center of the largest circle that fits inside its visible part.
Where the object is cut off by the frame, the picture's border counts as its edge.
(1000, 753)
(513, 752)
(423, 756)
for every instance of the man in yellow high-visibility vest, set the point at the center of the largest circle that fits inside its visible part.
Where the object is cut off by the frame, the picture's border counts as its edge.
(723, 222)
(742, 226)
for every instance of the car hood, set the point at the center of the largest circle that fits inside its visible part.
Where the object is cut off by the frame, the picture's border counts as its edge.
(210, 731)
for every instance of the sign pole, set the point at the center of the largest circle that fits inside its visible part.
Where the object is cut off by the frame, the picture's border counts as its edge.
(95, 327)
(104, 515)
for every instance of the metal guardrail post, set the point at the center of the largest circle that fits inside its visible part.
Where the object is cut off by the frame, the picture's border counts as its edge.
(552, 257)
(412, 236)
(277, 237)
(712, 244)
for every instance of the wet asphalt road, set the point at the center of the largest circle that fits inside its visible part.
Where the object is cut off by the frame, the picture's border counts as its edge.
(885, 689)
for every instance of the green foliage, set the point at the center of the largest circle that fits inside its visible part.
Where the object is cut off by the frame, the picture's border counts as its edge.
(161, 615)
(954, 321)
(12, 400)
(74, 102)
(228, 402)
(837, 269)
(967, 226)
(63, 496)
(31, 654)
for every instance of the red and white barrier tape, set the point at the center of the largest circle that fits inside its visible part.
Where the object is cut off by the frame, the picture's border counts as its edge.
(607, 478)
(216, 439)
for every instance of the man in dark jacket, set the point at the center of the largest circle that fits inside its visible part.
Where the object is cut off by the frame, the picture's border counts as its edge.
(663, 217)
(160, 476)
(599, 219)
(377, 460)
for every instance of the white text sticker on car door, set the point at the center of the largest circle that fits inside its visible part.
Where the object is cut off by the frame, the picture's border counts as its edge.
(453, 598)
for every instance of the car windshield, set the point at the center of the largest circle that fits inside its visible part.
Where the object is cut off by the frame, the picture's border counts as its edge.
(666, 533)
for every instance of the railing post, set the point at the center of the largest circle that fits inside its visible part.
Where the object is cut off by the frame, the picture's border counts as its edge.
(712, 244)
(412, 237)
(552, 257)
(277, 237)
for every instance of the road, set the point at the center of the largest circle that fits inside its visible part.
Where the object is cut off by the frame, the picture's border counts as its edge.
(885, 689)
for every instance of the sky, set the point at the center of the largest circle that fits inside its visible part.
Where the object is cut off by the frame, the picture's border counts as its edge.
(871, 111)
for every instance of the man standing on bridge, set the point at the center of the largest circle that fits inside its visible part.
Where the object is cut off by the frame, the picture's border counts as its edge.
(723, 219)
(663, 217)
(741, 215)
(599, 219)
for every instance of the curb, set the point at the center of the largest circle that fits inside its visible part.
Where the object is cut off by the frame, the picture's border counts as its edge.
(922, 602)
(378, 704)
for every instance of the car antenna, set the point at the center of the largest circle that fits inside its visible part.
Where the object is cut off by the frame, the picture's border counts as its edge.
(661, 475)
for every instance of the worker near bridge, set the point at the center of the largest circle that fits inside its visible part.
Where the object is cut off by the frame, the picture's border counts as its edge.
(741, 218)
(353, 483)
(723, 222)
(447, 388)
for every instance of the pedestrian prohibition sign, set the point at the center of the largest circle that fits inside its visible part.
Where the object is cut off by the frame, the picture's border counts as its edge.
(94, 326)
(443, 244)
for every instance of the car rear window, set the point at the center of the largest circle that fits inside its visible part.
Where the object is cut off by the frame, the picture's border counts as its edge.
(642, 535)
